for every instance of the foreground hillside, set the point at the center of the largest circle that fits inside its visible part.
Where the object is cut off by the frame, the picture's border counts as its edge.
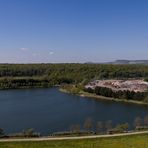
(134, 141)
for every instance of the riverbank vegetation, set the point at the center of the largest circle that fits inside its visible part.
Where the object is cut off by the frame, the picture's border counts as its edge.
(135, 141)
(104, 93)
(126, 94)
(89, 127)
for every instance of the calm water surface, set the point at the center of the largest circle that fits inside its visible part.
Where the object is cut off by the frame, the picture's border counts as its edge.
(49, 110)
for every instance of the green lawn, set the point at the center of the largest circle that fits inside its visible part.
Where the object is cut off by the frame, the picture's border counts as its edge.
(134, 141)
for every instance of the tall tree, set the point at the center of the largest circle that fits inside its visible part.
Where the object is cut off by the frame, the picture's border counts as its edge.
(138, 121)
(88, 124)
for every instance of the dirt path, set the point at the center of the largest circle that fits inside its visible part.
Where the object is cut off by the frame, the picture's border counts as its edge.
(70, 138)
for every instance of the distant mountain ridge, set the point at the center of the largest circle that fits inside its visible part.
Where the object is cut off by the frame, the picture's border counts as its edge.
(130, 62)
(143, 62)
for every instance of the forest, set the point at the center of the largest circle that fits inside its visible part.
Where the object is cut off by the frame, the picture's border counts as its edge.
(126, 94)
(46, 75)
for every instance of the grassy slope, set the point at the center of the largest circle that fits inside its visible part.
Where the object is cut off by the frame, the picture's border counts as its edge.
(134, 141)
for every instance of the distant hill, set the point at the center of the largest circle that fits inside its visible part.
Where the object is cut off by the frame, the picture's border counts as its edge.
(144, 62)
(130, 62)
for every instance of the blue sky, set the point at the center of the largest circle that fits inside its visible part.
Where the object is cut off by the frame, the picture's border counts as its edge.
(51, 31)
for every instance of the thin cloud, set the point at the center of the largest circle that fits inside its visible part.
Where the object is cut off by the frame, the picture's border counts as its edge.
(24, 49)
(35, 54)
(51, 53)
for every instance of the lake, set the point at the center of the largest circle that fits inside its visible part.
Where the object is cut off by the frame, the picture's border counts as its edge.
(49, 110)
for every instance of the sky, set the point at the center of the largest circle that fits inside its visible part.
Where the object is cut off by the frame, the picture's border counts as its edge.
(61, 31)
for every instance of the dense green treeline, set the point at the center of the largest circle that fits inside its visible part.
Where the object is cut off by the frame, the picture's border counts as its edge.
(99, 70)
(126, 94)
(24, 82)
(44, 75)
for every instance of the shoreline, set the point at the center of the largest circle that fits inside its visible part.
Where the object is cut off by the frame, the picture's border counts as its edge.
(85, 94)
(30, 87)
(94, 96)
(72, 138)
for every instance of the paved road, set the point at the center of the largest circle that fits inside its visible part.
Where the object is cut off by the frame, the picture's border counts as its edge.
(70, 138)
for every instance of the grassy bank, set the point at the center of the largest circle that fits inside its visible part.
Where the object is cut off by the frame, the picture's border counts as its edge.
(92, 95)
(111, 99)
(134, 141)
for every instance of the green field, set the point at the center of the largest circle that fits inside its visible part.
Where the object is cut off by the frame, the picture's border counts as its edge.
(134, 141)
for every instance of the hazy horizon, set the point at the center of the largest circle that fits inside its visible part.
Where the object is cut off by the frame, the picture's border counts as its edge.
(79, 31)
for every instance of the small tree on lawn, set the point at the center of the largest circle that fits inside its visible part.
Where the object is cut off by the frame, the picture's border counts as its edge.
(137, 122)
(1, 132)
(146, 120)
(75, 128)
(99, 127)
(108, 125)
(88, 124)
